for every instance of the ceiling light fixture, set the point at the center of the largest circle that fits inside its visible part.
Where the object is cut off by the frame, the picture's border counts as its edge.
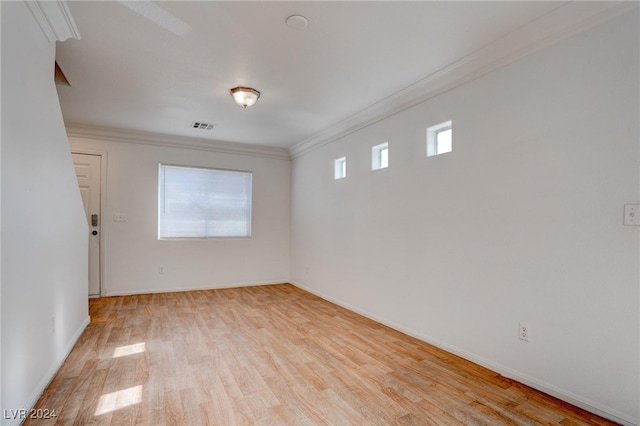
(245, 96)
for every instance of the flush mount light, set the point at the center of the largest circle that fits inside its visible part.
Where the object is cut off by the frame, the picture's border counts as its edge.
(245, 96)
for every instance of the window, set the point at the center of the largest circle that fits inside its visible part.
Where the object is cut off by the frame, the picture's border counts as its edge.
(380, 156)
(195, 202)
(440, 139)
(340, 170)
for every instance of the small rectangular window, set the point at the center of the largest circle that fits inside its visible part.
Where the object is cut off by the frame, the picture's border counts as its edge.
(195, 202)
(440, 139)
(380, 156)
(340, 170)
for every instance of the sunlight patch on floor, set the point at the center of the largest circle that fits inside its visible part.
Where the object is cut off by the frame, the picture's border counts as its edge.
(129, 350)
(119, 399)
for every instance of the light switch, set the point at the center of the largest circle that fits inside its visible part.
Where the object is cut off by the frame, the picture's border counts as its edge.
(632, 214)
(119, 217)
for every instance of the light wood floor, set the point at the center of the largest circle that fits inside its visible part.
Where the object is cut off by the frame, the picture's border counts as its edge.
(274, 355)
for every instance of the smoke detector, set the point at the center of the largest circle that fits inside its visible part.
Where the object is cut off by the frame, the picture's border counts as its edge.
(298, 22)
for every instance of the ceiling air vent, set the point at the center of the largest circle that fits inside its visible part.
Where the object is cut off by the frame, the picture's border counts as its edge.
(201, 125)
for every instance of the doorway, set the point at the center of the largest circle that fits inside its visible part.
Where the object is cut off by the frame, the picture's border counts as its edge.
(88, 169)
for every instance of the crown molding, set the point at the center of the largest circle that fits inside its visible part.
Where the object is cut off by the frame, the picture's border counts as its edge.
(181, 142)
(565, 21)
(54, 19)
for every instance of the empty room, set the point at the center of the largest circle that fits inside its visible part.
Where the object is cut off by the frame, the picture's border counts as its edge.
(320, 212)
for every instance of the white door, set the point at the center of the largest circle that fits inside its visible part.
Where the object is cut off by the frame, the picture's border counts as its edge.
(88, 173)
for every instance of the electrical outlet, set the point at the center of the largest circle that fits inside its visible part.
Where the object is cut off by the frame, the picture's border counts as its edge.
(119, 217)
(524, 331)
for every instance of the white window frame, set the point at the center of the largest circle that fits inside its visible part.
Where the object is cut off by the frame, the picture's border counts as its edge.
(432, 138)
(213, 222)
(340, 168)
(378, 156)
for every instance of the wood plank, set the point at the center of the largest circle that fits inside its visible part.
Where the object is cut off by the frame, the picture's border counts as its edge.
(275, 355)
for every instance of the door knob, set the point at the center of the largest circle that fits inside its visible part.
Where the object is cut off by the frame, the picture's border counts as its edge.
(94, 233)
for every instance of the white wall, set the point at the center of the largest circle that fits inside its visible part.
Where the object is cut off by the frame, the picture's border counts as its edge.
(132, 251)
(0, 221)
(522, 222)
(44, 231)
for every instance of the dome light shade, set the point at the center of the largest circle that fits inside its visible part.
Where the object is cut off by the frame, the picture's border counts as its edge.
(245, 96)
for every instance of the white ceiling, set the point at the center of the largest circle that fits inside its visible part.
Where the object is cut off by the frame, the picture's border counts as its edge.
(159, 66)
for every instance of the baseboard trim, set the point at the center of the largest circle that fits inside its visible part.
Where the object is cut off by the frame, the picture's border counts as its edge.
(37, 393)
(180, 289)
(549, 389)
